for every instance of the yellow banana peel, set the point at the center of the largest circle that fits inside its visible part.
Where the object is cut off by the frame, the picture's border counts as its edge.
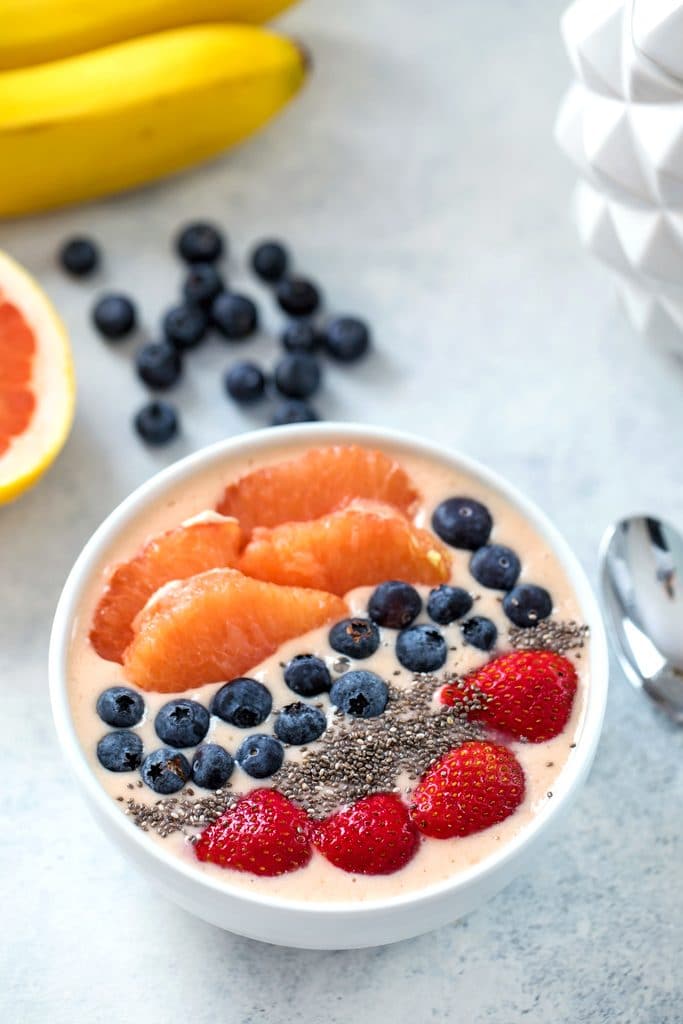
(35, 31)
(116, 117)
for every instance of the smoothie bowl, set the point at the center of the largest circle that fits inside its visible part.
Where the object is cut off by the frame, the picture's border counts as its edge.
(327, 686)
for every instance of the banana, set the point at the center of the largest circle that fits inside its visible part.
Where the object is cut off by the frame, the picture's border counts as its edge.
(120, 116)
(34, 31)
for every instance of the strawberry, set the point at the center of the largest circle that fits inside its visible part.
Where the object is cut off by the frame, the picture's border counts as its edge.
(263, 833)
(530, 694)
(374, 836)
(467, 790)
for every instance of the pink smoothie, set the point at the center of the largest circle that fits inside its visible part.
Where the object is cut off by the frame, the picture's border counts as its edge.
(437, 860)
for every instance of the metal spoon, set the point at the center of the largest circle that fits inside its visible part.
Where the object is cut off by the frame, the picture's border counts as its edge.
(641, 569)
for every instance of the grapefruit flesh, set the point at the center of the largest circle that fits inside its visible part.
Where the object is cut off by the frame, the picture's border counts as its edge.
(217, 625)
(173, 555)
(36, 381)
(316, 482)
(353, 547)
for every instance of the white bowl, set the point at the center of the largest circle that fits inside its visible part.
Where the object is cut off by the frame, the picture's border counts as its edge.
(308, 924)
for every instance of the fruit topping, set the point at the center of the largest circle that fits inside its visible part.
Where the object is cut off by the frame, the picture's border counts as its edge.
(242, 702)
(495, 566)
(467, 790)
(165, 771)
(307, 675)
(374, 836)
(300, 723)
(479, 632)
(356, 638)
(527, 604)
(120, 751)
(446, 604)
(394, 604)
(260, 755)
(360, 693)
(462, 523)
(182, 723)
(120, 707)
(421, 648)
(212, 766)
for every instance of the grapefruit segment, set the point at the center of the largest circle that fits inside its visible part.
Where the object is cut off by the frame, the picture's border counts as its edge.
(173, 555)
(218, 625)
(36, 381)
(317, 482)
(353, 547)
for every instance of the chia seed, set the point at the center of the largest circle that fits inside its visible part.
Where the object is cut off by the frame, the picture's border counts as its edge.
(549, 635)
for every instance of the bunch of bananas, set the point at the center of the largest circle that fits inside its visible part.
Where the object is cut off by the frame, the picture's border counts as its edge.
(97, 97)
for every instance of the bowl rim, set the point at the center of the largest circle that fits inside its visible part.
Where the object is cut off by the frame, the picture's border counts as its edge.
(253, 442)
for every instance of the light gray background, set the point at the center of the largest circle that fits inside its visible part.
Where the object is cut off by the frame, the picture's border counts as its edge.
(417, 179)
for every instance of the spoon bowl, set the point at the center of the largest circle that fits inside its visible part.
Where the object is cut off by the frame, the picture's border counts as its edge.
(641, 562)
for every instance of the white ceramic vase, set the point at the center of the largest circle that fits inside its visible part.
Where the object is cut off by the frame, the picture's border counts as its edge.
(621, 124)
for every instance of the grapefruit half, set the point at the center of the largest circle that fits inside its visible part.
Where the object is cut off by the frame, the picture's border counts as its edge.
(37, 388)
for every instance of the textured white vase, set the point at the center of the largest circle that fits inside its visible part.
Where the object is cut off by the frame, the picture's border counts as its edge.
(621, 124)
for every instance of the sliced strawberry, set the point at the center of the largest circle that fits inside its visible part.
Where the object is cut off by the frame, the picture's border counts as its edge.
(264, 833)
(530, 693)
(467, 790)
(374, 836)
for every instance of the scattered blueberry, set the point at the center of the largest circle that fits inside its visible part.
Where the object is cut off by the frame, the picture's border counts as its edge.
(394, 604)
(260, 755)
(182, 723)
(495, 566)
(293, 410)
(300, 723)
(462, 523)
(120, 706)
(200, 243)
(421, 648)
(245, 382)
(114, 316)
(357, 638)
(158, 364)
(212, 766)
(202, 284)
(185, 326)
(297, 376)
(297, 296)
(446, 604)
(235, 316)
(479, 632)
(307, 675)
(156, 422)
(360, 693)
(527, 604)
(242, 702)
(165, 770)
(301, 336)
(269, 260)
(79, 256)
(347, 339)
(120, 751)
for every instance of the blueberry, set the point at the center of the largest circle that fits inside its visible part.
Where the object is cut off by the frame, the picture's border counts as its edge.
(297, 296)
(446, 604)
(158, 364)
(120, 706)
(200, 243)
(182, 723)
(202, 284)
(260, 755)
(156, 422)
(79, 256)
(462, 523)
(300, 723)
(114, 316)
(307, 675)
(495, 566)
(294, 410)
(394, 604)
(479, 632)
(120, 751)
(301, 336)
(421, 648)
(269, 260)
(347, 339)
(165, 770)
(245, 382)
(297, 376)
(235, 316)
(242, 702)
(360, 693)
(527, 604)
(211, 766)
(357, 638)
(185, 326)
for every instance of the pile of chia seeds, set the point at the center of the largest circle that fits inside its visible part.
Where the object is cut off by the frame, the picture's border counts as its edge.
(549, 635)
